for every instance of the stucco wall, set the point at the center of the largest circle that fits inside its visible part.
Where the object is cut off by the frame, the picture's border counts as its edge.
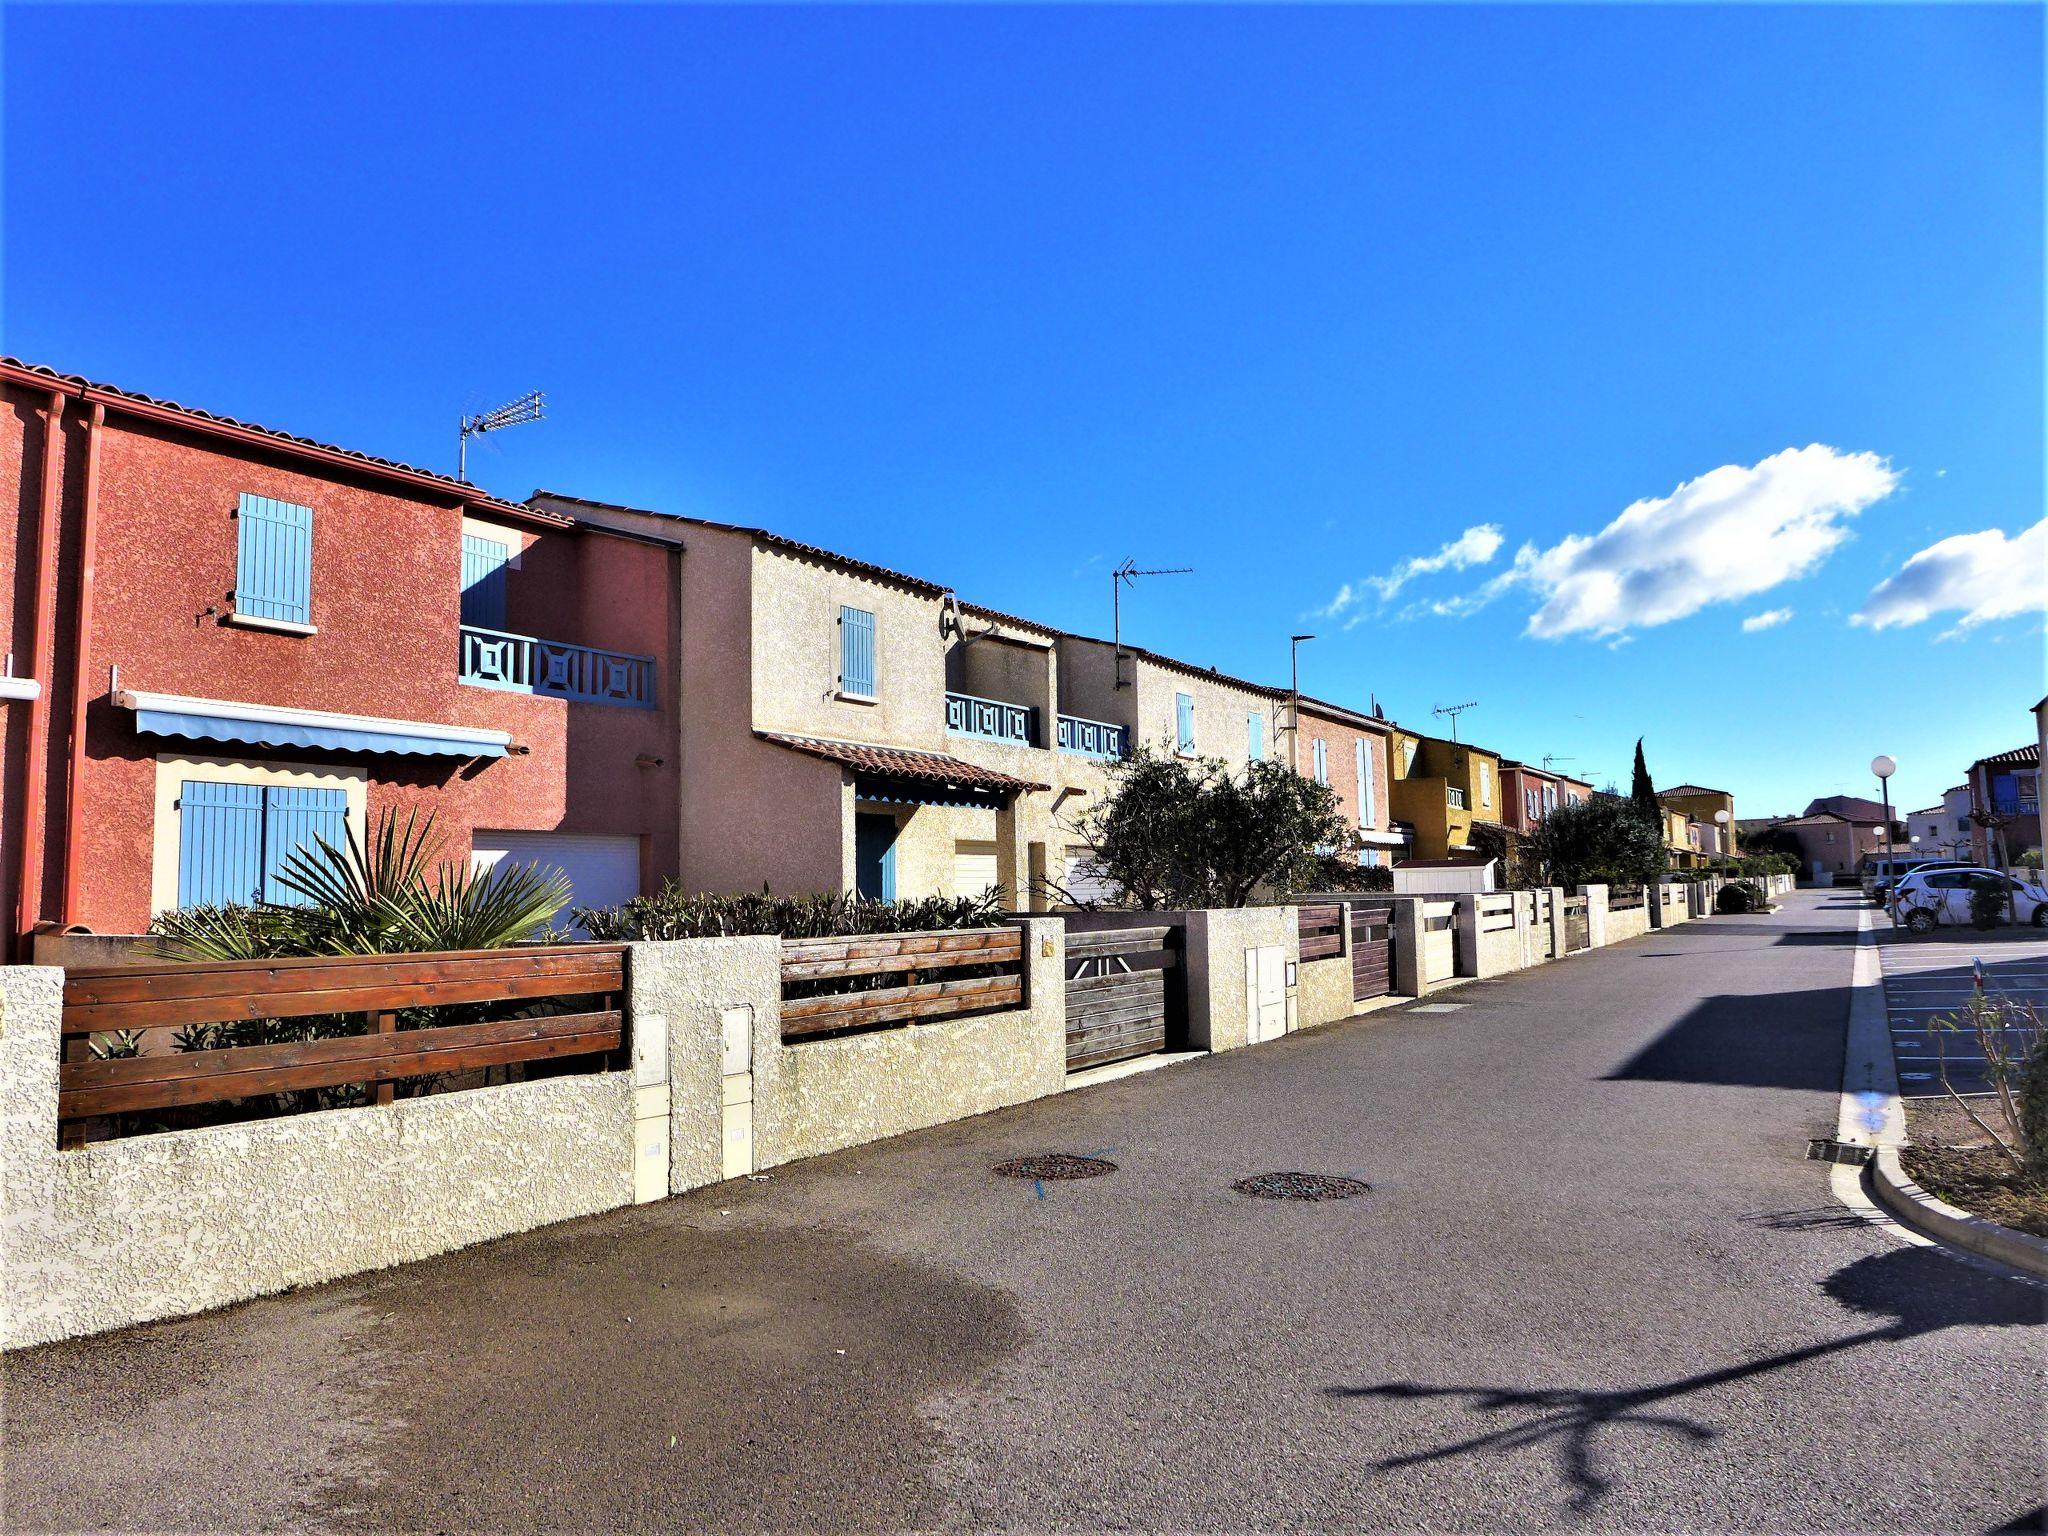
(156, 1226)
(1627, 922)
(817, 1096)
(1215, 956)
(1323, 991)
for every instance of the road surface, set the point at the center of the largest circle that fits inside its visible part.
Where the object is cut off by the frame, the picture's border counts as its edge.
(1596, 1285)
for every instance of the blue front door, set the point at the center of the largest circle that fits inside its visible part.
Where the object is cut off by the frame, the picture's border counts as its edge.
(874, 856)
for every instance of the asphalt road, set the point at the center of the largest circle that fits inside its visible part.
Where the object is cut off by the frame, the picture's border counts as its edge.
(1596, 1285)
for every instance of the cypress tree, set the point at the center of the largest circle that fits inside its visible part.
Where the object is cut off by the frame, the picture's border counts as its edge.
(1642, 791)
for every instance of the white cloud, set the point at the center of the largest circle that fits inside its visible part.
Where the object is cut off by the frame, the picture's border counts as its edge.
(1728, 535)
(1475, 546)
(1982, 576)
(1770, 618)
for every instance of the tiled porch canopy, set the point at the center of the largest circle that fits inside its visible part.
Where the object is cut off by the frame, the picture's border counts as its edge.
(906, 777)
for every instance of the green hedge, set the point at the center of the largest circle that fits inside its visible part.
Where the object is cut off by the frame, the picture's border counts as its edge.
(675, 914)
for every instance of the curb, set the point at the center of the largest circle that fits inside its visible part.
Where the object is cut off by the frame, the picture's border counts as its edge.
(1946, 1224)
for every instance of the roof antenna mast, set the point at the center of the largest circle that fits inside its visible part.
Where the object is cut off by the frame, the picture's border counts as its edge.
(1124, 575)
(1454, 710)
(528, 407)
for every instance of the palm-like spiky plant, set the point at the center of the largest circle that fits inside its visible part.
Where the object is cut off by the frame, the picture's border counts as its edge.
(389, 895)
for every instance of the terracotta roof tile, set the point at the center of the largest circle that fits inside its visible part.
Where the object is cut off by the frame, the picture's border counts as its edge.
(462, 488)
(2018, 757)
(901, 763)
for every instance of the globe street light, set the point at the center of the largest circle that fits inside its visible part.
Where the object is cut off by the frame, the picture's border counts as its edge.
(1884, 767)
(1721, 819)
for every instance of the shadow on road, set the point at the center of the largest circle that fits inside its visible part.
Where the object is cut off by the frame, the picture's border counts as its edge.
(1749, 1040)
(1916, 1291)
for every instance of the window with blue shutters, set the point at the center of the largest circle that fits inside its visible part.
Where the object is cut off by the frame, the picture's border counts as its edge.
(274, 560)
(1362, 760)
(857, 652)
(1184, 721)
(235, 839)
(483, 582)
(1322, 756)
(1255, 736)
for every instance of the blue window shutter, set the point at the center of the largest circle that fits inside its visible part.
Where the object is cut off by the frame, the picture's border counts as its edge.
(1184, 721)
(294, 819)
(220, 843)
(1322, 756)
(1367, 812)
(274, 559)
(1255, 734)
(483, 582)
(857, 652)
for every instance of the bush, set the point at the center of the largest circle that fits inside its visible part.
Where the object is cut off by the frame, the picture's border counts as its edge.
(676, 914)
(1739, 896)
(1517, 869)
(1988, 902)
(2007, 1034)
(1602, 841)
(1334, 872)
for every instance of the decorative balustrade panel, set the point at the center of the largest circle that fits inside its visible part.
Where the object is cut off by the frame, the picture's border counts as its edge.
(1092, 738)
(990, 719)
(556, 668)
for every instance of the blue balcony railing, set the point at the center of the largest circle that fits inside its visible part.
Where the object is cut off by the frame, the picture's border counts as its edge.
(991, 720)
(1093, 738)
(521, 664)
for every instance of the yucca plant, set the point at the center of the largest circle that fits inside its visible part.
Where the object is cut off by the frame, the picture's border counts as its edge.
(392, 894)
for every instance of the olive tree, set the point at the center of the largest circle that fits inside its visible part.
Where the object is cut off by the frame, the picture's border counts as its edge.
(1604, 839)
(1177, 832)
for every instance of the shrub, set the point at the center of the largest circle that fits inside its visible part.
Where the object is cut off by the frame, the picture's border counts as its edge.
(1334, 872)
(2008, 1034)
(676, 914)
(1988, 902)
(1739, 896)
(1602, 841)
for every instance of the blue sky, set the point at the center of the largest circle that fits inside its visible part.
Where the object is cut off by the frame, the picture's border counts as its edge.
(1291, 296)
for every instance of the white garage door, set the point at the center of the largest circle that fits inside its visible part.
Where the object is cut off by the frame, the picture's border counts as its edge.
(603, 871)
(974, 868)
(1083, 881)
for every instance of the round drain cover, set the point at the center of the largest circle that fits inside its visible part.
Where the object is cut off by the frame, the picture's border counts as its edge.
(1301, 1186)
(1054, 1165)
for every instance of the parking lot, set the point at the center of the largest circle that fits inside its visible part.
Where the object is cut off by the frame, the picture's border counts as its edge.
(1932, 976)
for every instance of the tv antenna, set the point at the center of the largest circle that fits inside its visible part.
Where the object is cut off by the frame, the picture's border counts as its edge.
(1553, 757)
(528, 407)
(1124, 575)
(1454, 710)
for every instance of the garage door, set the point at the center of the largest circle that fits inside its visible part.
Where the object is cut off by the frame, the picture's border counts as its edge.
(603, 871)
(974, 868)
(1084, 882)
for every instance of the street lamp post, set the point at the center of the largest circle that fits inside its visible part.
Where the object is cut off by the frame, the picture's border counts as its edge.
(1725, 822)
(1884, 767)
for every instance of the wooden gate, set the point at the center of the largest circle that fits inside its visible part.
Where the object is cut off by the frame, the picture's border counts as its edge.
(1372, 952)
(1118, 993)
(1439, 941)
(1578, 928)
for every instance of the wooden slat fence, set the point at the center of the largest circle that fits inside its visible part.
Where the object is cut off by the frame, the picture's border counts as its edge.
(1497, 911)
(871, 979)
(1624, 898)
(1578, 924)
(1119, 993)
(370, 992)
(1372, 952)
(1439, 944)
(1321, 930)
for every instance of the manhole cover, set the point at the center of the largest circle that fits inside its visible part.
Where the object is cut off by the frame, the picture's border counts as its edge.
(1301, 1186)
(1055, 1165)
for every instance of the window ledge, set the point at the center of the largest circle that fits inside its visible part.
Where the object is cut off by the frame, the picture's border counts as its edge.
(276, 626)
(855, 698)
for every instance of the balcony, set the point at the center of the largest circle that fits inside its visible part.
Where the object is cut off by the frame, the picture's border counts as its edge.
(991, 720)
(556, 669)
(1093, 738)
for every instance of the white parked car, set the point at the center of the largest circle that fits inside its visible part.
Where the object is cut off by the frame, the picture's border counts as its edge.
(1926, 898)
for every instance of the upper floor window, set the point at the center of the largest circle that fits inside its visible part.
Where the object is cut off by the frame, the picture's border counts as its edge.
(1532, 807)
(1255, 736)
(1322, 757)
(1367, 814)
(857, 653)
(1486, 783)
(483, 581)
(1455, 797)
(274, 560)
(1184, 722)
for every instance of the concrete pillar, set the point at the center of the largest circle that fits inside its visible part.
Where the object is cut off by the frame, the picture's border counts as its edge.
(848, 879)
(1525, 929)
(1013, 854)
(1405, 933)
(1558, 940)
(1041, 871)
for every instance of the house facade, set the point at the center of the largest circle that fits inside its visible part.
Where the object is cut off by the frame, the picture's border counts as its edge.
(1348, 751)
(227, 641)
(1442, 789)
(1704, 808)
(1529, 794)
(2005, 804)
(1832, 847)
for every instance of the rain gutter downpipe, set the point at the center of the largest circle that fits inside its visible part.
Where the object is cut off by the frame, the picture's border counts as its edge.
(28, 904)
(81, 655)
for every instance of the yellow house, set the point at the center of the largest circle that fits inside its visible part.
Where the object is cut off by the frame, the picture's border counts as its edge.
(1441, 789)
(1699, 804)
